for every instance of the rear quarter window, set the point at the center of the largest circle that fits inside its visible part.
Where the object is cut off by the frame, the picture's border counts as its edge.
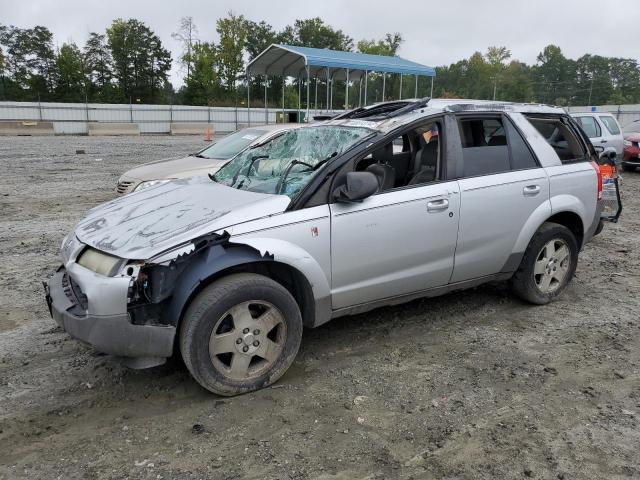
(562, 138)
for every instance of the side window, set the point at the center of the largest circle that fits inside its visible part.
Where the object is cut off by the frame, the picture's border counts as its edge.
(590, 126)
(560, 136)
(610, 124)
(484, 146)
(412, 158)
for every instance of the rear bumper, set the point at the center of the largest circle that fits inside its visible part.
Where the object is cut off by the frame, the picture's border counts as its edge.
(631, 156)
(596, 225)
(113, 334)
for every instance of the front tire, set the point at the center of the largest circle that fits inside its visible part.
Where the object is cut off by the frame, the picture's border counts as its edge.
(240, 334)
(548, 265)
(628, 168)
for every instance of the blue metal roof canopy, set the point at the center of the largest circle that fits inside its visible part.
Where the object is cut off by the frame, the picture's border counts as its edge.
(305, 63)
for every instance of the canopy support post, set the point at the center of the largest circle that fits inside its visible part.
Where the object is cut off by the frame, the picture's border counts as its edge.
(316, 94)
(384, 82)
(331, 96)
(248, 100)
(346, 92)
(366, 83)
(327, 104)
(266, 111)
(299, 95)
(415, 95)
(284, 80)
(400, 98)
(308, 100)
(431, 94)
(360, 92)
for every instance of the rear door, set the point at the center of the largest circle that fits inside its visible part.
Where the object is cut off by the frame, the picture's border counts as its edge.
(593, 129)
(501, 186)
(612, 134)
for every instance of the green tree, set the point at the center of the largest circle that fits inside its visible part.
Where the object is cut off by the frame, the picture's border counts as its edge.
(98, 68)
(554, 76)
(71, 78)
(233, 35)
(203, 85)
(388, 46)
(30, 62)
(625, 75)
(313, 32)
(514, 84)
(496, 58)
(260, 35)
(140, 63)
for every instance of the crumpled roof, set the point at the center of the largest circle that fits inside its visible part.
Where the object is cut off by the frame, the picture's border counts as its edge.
(292, 61)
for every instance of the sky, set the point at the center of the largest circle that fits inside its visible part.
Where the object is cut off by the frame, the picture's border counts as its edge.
(435, 33)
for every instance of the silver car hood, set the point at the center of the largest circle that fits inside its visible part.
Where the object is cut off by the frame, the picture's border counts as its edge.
(142, 224)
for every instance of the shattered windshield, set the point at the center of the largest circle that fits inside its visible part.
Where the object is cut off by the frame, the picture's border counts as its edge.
(229, 146)
(287, 163)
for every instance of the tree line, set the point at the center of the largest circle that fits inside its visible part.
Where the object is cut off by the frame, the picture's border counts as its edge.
(129, 63)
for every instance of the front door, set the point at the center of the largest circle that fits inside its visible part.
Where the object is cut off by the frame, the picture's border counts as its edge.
(393, 243)
(403, 239)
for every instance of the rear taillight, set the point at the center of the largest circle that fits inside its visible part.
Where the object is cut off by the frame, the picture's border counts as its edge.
(596, 167)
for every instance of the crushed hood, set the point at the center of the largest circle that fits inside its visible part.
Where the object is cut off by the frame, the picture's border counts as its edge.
(185, 167)
(142, 224)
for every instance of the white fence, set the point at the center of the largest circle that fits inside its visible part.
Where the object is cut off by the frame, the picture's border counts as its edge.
(625, 114)
(73, 118)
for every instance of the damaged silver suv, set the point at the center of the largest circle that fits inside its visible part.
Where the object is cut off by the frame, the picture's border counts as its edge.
(378, 207)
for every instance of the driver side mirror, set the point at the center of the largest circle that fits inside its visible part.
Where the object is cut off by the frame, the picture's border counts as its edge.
(359, 186)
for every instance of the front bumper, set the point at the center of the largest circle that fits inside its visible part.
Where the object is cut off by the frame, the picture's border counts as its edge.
(113, 334)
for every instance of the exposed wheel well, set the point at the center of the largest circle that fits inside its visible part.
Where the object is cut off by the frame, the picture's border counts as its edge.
(290, 278)
(573, 222)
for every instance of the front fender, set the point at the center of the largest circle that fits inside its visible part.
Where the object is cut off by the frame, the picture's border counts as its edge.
(241, 251)
(199, 269)
(291, 254)
(294, 256)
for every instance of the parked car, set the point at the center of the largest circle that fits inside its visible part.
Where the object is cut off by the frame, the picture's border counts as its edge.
(603, 130)
(631, 156)
(205, 161)
(324, 221)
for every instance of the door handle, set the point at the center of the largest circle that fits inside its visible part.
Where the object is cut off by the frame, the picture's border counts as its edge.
(603, 141)
(531, 190)
(437, 205)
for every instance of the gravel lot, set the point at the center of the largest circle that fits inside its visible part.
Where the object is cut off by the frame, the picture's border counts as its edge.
(469, 385)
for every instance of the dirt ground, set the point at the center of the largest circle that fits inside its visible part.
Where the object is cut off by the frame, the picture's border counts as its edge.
(471, 385)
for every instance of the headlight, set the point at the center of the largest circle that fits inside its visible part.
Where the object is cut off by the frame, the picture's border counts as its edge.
(150, 183)
(627, 143)
(99, 262)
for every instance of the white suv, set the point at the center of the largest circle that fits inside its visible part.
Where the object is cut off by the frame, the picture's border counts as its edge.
(329, 220)
(603, 130)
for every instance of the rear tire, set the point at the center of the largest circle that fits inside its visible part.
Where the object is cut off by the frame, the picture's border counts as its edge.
(548, 265)
(240, 334)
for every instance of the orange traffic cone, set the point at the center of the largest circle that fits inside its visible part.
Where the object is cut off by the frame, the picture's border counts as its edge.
(207, 135)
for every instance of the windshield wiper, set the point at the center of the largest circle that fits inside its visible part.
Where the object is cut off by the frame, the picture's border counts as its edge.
(253, 159)
(312, 168)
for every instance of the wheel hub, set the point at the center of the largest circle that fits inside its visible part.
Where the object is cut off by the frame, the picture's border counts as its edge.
(248, 343)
